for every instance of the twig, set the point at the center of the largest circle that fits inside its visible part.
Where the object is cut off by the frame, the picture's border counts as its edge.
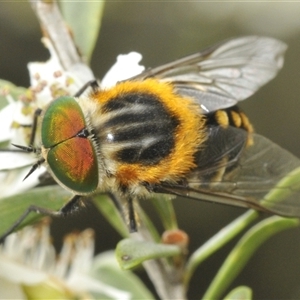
(55, 29)
(164, 276)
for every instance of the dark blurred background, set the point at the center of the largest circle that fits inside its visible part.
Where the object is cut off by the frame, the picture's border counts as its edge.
(162, 32)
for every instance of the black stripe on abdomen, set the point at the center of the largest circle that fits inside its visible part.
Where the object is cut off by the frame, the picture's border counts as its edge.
(142, 128)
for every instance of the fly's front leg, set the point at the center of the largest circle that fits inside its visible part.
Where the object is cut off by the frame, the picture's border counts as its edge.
(67, 209)
(92, 83)
(36, 116)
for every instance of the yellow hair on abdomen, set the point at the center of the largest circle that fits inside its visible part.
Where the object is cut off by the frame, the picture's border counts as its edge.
(189, 134)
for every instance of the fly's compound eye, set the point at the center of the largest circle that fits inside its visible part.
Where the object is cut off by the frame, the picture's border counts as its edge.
(70, 155)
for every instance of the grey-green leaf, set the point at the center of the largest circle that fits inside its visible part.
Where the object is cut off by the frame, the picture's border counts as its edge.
(131, 253)
(11, 208)
(108, 271)
(164, 206)
(84, 18)
(240, 293)
(110, 212)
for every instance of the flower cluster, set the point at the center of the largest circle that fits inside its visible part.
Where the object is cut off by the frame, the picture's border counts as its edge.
(48, 81)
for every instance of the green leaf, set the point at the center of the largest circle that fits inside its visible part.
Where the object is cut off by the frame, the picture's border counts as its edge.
(112, 215)
(283, 188)
(242, 252)
(107, 270)
(164, 206)
(131, 253)
(110, 212)
(216, 242)
(279, 193)
(85, 19)
(7, 87)
(145, 221)
(240, 293)
(11, 208)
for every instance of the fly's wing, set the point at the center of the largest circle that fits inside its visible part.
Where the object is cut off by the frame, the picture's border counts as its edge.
(258, 176)
(224, 74)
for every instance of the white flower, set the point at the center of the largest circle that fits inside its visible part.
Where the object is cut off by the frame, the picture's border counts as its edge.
(48, 80)
(126, 67)
(29, 266)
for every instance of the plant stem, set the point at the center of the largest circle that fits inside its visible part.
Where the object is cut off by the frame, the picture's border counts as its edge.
(54, 28)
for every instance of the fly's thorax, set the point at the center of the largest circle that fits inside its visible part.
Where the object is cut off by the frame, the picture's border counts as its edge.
(146, 132)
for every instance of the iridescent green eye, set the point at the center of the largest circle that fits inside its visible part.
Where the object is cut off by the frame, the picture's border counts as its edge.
(71, 158)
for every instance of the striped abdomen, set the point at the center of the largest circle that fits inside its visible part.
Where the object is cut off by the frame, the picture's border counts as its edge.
(136, 128)
(145, 132)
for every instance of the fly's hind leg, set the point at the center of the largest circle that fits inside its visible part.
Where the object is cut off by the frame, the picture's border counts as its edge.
(125, 206)
(131, 216)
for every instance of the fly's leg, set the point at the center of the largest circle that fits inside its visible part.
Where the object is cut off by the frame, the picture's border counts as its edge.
(132, 220)
(92, 83)
(67, 209)
(30, 148)
(124, 205)
(36, 115)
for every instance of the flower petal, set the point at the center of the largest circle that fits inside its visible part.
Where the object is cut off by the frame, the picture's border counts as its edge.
(10, 290)
(6, 118)
(127, 66)
(19, 273)
(49, 79)
(11, 182)
(81, 282)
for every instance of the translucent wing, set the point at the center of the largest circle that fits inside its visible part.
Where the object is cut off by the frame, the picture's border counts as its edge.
(262, 176)
(224, 74)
